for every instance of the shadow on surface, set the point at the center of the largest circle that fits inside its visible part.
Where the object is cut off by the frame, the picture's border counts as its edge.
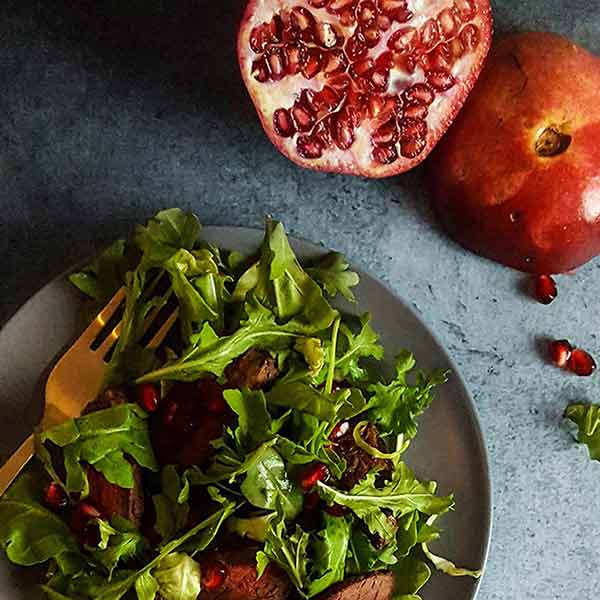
(185, 47)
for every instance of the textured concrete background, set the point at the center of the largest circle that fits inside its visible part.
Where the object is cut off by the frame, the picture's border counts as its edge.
(110, 110)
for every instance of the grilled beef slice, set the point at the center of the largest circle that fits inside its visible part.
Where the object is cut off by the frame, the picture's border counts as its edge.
(188, 420)
(254, 369)
(359, 462)
(240, 581)
(375, 586)
(108, 498)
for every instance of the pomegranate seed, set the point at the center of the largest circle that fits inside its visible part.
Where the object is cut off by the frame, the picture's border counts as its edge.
(276, 60)
(356, 46)
(448, 26)
(366, 12)
(545, 289)
(260, 36)
(441, 80)
(79, 521)
(338, 6)
(380, 79)
(317, 3)
(396, 10)
(343, 132)
(309, 147)
(404, 40)
(456, 48)
(169, 413)
(326, 35)
(303, 119)
(412, 148)
(216, 404)
(385, 155)
(372, 36)
(560, 353)
(336, 510)
(387, 134)
(416, 111)
(213, 575)
(260, 70)
(312, 474)
(148, 397)
(296, 55)
(420, 92)
(465, 9)
(335, 63)
(340, 430)
(311, 501)
(302, 20)
(313, 63)
(283, 124)
(383, 22)
(469, 36)
(276, 28)
(55, 497)
(581, 363)
(430, 35)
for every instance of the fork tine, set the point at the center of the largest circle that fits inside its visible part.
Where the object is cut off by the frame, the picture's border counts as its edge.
(161, 334)
(110, 341)
(96, 326)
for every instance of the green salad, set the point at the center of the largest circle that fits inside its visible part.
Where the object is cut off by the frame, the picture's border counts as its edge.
(258, 453)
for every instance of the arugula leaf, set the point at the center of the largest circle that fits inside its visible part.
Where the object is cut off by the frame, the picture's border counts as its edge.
(171, 505)
(401, 495)
(268, 486)
(587, 419)
(410, 575)
(254, 528)
(302, 396)
(332, 273)
(29, 533)
(394, 407)
(254, 421)
(258, 331)
(119, 541)
(289, 551)
(104, 275)
(101, 439)
(146, 586)
(166, 233)
(227, 464)
(328, 553)
(280, 283)
(352, 346)
(178, 577)
(312, 350)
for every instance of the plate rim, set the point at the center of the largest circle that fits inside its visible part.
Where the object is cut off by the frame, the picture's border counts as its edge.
(470, 404)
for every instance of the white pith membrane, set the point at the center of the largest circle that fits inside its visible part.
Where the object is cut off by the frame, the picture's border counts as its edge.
(269, 96)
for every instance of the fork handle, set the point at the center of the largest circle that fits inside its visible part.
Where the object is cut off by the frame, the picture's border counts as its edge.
(14, 465)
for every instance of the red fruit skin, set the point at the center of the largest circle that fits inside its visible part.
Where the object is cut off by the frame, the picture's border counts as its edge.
(353, 161)
(492, 191)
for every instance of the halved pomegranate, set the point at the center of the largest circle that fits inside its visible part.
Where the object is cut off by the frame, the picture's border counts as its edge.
(365, 87)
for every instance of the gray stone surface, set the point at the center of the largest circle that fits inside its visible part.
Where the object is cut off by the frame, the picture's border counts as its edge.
(110, 110)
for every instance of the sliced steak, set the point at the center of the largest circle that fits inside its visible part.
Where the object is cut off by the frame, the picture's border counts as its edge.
(240, 582)
(108, 498)
(254, 369)
(359, 462)
(112, 396)
(187, 421)
(375, 586)
(111, 500)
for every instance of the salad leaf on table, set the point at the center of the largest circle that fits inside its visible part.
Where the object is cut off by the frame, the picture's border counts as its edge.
(587, 419)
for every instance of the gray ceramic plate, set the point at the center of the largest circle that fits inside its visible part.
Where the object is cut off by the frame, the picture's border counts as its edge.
(449, 447)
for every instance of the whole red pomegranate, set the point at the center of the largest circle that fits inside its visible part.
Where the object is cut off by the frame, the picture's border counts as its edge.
(517, 177)
(365, 87)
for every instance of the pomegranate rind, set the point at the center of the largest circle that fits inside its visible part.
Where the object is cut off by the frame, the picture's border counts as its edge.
(493, 191)
(357, 159)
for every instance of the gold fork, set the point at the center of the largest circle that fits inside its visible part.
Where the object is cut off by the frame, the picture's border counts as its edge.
(77, 379)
